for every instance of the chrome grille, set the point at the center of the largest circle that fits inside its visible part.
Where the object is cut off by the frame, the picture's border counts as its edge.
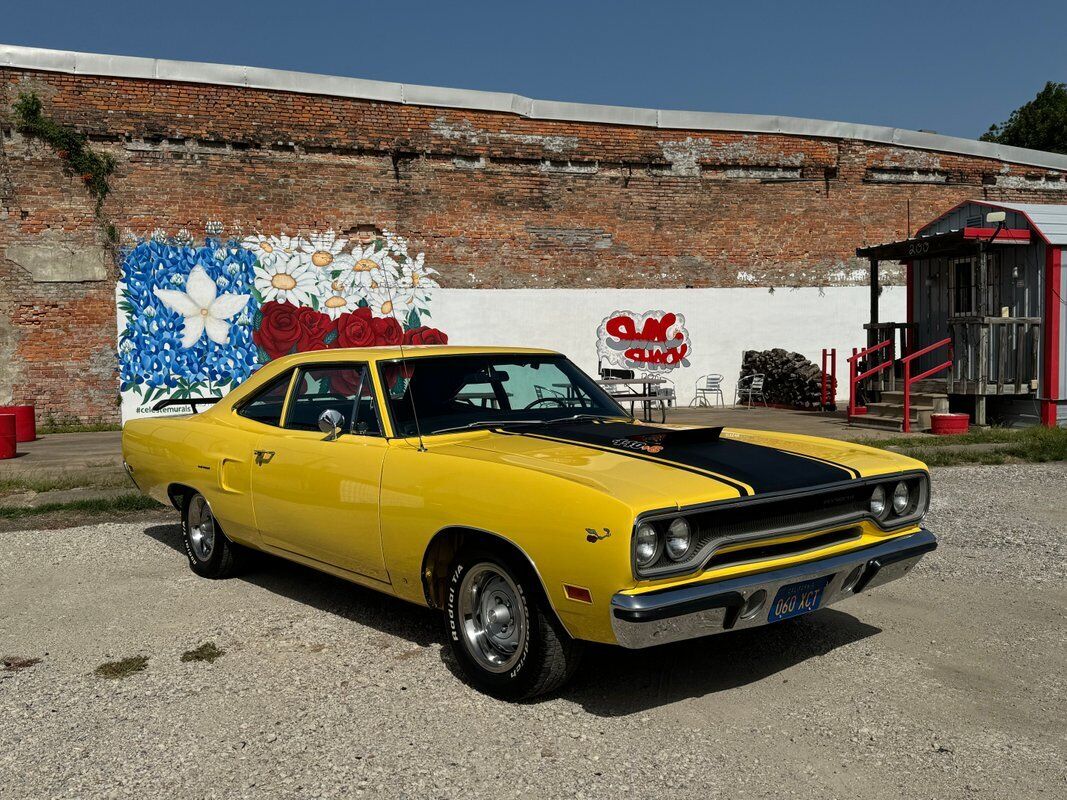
(830, 515)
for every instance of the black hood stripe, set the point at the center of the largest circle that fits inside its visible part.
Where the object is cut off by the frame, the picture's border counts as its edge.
(740, 488)
(748, 468)
(855, 473)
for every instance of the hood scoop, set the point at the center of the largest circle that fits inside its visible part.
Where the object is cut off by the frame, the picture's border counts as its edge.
(680, 437)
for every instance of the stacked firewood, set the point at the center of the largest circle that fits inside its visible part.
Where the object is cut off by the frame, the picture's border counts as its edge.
(789, 378)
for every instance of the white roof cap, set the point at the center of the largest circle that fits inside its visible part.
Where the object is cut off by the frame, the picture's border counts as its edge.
(36, 58)
(1049, 220)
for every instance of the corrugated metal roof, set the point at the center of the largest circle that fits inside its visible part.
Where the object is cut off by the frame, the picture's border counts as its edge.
(1050, 220)
(309, 83)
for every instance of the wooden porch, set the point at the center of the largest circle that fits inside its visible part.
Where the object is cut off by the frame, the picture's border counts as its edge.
(990, 355)
(970, 332)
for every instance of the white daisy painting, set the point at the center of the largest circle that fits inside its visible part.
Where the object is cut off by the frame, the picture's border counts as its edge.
(341, 301)
(287, 280)
(323, 248)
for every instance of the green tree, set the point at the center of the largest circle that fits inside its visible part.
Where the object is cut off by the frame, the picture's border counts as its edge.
(1040, 124)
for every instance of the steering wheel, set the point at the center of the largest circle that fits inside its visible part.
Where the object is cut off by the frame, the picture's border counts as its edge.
(559, 401)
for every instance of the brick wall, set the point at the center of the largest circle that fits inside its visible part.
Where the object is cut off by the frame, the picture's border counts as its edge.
(495, 201)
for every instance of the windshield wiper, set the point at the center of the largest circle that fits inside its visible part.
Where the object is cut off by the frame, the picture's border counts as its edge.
(485, 423)
(504, 423)
(584, 417)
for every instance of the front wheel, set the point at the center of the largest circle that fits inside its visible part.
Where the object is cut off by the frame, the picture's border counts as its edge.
(211, 554)
(504, 636)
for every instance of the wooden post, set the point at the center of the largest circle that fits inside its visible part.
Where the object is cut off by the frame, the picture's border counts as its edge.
(874, 291)
(984, 356)
(981, 309)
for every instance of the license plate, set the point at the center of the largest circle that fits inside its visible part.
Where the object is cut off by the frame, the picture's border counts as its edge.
(797, 598)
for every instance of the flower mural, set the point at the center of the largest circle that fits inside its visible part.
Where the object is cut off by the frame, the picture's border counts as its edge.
(197, 320)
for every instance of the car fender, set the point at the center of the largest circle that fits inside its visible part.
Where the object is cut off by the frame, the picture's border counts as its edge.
(545, 517)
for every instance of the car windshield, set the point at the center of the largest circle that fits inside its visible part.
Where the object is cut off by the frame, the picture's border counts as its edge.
(446, 393)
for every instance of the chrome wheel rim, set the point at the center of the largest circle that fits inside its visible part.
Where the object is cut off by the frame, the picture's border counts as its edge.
(492, 618)
(201, 528)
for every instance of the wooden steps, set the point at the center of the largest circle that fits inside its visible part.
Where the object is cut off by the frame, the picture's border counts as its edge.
(888, 413)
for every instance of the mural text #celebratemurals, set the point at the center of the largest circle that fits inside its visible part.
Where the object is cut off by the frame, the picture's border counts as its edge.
(195, 320)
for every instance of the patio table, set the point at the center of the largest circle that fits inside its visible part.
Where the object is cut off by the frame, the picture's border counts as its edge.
(638, 390)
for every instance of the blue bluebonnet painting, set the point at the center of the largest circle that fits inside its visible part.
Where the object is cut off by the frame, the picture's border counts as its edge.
(153, 363)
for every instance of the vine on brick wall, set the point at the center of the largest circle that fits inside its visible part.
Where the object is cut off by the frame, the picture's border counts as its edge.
(70, 145)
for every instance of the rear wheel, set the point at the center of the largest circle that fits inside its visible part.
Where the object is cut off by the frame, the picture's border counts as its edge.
(211, 554)
(504, 636)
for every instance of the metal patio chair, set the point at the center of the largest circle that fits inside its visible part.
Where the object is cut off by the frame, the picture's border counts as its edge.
(708, 386)
(545, 393)
(750, 388)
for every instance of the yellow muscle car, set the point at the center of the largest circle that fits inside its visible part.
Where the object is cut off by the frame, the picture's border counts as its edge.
(506, 488)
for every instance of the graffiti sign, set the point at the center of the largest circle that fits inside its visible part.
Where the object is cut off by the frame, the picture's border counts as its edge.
(195, 320)
(654, 341)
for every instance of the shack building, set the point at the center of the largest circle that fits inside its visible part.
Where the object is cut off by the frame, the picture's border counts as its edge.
(985, 319)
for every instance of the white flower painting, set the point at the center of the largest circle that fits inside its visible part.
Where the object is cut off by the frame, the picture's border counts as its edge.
(287, 279)
(204, 310)
(323, 248)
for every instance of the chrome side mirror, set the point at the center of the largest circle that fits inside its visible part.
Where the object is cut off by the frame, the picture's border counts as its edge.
(330, 422)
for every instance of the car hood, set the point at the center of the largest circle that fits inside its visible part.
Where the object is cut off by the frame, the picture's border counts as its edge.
(659, 466)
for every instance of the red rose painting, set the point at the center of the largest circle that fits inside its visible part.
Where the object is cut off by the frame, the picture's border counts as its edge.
(285, 329)
(354, 330)
(279, 330)
(317, 331)
(386, 331)
(424, 335)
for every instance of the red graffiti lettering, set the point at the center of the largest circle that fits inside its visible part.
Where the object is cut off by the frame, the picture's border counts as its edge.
(672, 355)
(654, 330)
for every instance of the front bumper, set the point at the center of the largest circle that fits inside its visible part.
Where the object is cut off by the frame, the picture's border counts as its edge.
(671, 615)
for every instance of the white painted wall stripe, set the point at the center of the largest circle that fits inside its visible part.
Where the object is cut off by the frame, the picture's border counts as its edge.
(722, 323)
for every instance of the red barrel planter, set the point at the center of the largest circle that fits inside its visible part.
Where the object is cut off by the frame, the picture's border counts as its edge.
(948, 424)
(25, 423)
(7, 436)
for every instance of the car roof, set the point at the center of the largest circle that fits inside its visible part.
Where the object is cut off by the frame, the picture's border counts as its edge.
(407, 351)
(278, 366)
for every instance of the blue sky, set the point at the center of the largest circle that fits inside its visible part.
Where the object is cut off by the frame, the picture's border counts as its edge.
(952, 67)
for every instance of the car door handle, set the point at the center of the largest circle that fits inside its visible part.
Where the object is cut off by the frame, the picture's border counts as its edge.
(263, 456)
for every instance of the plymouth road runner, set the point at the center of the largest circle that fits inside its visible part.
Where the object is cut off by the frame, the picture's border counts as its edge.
(505, 488)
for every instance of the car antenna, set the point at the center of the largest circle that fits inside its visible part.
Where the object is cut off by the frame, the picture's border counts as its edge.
(410, 393)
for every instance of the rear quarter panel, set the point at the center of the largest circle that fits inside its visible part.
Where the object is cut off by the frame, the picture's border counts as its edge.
(153, 449)
(191, 451)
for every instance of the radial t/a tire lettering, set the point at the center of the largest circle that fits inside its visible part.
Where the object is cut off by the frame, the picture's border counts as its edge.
(505, 638)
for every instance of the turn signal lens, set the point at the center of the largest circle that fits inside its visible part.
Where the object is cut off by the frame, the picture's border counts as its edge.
(901, 498)
(878, 501)
(679, 537)
(647, 549)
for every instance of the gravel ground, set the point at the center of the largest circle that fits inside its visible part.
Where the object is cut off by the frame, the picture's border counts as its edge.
(947, 684)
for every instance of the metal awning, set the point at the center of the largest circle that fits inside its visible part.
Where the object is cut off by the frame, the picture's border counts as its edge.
(961, 241)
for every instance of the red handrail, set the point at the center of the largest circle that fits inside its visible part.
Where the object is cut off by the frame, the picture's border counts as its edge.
(854, 379)
(829, 358)
(909, 380)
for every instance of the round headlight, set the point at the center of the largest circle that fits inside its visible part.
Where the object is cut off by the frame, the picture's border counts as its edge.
(901, 498)
(647, 548)
(679, 537)
(878, 501)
